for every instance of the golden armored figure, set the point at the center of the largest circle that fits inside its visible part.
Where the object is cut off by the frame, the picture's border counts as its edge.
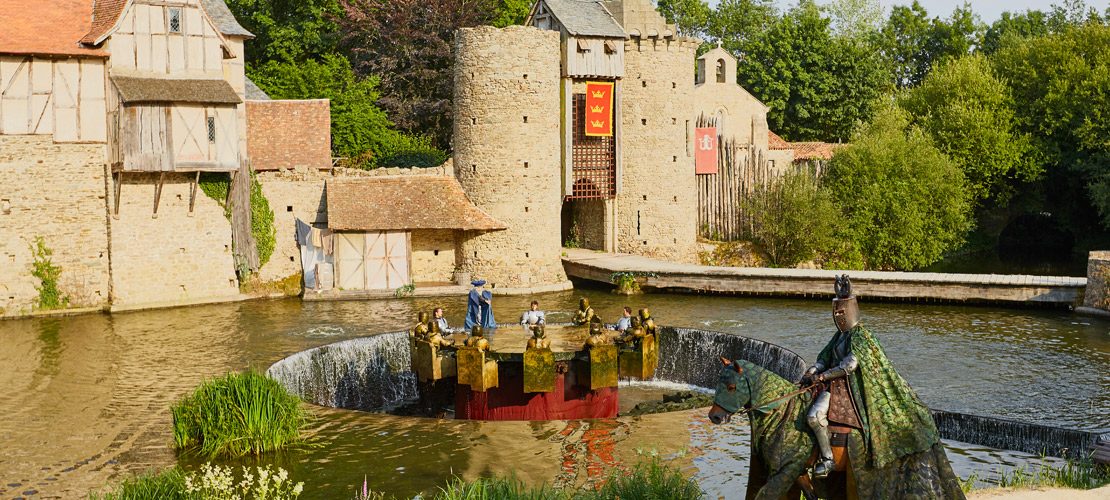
(539, 338)
(585, 314)
(476, 339)
(647, 322)
(634, 333)
(420, 330)
(598, 335)
(435, 336)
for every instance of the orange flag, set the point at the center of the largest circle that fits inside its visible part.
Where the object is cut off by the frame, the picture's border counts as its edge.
(599, 109)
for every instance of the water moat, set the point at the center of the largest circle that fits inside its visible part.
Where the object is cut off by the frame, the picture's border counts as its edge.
(86, 398)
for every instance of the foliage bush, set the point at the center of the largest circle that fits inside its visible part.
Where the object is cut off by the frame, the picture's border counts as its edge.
(905, 203)
(43, 268)
(792, 219)
(236, 415)
(166, 485)
(403, 150)
(646, 480)
(218, 186)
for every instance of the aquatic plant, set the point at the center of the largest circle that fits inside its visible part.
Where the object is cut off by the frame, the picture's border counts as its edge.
(647, 480)
(500, 487)
(626, 281)
(1081, 474)
(238, 414)
(168, 485)
(212, 482)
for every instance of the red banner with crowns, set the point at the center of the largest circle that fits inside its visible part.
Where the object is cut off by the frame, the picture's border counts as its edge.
(599, 109)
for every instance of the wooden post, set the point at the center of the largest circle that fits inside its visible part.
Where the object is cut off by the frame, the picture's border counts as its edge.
(242, 241)
(193, 193)
(158, 193)
(117, 181)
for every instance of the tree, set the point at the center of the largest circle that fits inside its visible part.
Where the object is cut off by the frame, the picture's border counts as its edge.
(288, 30)
(791, 218)
(968, 113)
(818, 86)
(1028, 24)
(408, 44)
(511, 12)
(914, 44)
(357, 125)
(906, 204)
(856, 18)
(739, 23)
(690, 16)
(1062, 82)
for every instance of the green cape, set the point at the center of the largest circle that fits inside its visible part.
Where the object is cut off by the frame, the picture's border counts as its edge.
(895, 422)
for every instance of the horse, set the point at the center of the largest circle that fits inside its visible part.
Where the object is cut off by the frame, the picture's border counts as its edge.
(782, 443)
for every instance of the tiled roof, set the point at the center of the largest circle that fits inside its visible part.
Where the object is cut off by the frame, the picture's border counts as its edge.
(586, 18)
(105, 16)
(803, 150)
(401, 203)
(223, 19)
(814, 150)
(40, 27)
(776, 142)
(254, 93)
(136, 90)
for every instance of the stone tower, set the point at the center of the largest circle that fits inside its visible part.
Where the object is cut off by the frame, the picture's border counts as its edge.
(507, 152)
(657, 204)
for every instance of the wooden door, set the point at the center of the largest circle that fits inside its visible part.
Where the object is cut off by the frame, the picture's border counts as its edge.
(349, 269)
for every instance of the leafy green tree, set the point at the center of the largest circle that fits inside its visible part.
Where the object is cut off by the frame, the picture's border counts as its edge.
(955, 36)
(791, 218)
(856, 18)
(408, 45)
(691, 16)
(737, 24)
(818, 86)
(1062, 82)
(968, 113)
(288, 30)
(905, 35)
(357, 124)
(1028, 24)
(906, 204)
(511, 12)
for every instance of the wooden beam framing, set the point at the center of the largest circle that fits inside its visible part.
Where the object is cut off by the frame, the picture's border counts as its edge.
(193, 193)
(117, 184)
(158, 192)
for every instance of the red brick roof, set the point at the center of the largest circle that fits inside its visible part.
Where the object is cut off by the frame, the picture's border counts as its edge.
(776, 142)
(105, 16)
(401, 203)
(803, 150)
(48, 27)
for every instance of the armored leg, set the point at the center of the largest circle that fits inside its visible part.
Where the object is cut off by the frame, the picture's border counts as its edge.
(819, 422)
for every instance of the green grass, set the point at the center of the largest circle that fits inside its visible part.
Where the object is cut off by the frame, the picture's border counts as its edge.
(236, 415)
(1081, 474)
(167, 485)
(647, 480)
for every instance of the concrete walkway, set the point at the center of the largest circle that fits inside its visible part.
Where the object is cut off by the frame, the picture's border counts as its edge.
(941, 287)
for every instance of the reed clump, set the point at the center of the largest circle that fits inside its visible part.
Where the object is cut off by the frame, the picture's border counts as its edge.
(647, 480)
(238, 414)
(166, 485)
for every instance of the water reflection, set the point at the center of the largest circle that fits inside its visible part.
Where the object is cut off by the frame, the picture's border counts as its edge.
(86, 398)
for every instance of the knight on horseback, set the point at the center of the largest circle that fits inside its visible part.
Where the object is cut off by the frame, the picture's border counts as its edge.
(831, 371)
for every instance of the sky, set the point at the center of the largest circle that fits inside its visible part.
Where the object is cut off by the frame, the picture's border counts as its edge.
(988, 10)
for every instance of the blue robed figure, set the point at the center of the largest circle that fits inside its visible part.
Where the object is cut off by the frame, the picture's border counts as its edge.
(479, 307)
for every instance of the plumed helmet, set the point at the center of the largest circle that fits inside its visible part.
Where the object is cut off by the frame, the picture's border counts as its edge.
(845, 307)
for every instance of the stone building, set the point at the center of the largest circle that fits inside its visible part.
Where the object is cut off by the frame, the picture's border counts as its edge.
(109, 112)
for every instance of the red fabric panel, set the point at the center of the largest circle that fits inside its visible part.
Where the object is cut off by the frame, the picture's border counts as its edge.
(570, 400)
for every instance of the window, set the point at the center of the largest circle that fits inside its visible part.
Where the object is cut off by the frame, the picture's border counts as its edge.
(175, 20)
(211, 129)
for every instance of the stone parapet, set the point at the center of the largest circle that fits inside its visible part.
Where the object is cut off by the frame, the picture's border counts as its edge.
(1097, 295)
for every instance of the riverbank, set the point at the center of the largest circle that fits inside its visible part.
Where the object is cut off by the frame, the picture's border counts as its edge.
(1040, 494)
(1041, 291)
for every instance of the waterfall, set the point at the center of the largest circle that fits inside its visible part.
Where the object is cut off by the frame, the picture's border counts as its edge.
(370, 373)
(1017, 436)
(690, 356)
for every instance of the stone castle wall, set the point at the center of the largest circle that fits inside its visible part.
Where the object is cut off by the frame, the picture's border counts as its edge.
(1097, 294)
(507, 151)
(176, 258)
(55, 191)
(433, 255)
(657, 202)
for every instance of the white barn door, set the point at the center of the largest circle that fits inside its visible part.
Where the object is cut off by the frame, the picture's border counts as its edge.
(372, 261)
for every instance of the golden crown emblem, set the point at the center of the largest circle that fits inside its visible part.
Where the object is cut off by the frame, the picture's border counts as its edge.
(598, 94)
(598, 123)
(597, 109)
